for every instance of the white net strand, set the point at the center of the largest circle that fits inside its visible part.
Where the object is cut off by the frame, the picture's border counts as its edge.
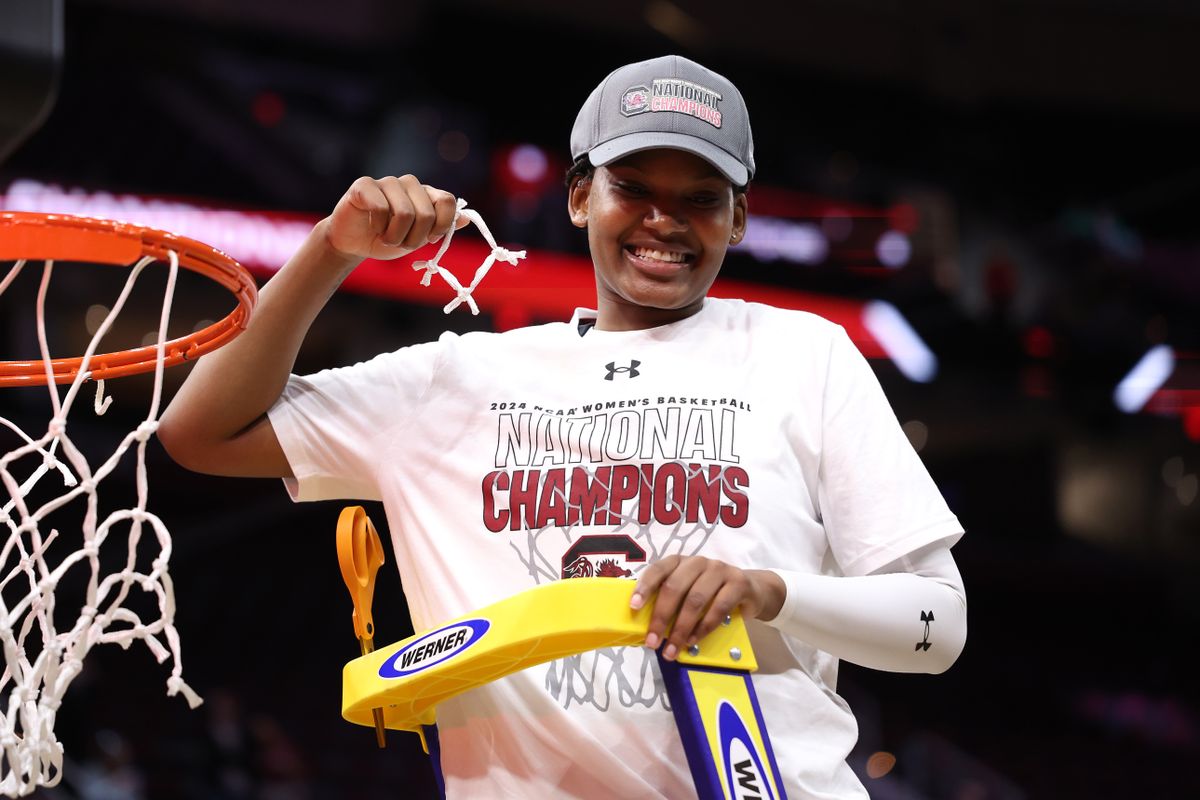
(13, 272)
(433, 265)
(32, 686)
(49, 462)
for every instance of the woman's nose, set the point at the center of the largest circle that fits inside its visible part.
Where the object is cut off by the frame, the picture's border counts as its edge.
(665, 220)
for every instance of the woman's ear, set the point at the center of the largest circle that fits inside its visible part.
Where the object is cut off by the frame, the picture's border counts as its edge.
(740, 212)
(577, 201)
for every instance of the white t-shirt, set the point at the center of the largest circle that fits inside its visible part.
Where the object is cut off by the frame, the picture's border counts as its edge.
(745, 433)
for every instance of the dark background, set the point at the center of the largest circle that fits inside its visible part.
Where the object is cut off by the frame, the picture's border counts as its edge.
(1049, 148)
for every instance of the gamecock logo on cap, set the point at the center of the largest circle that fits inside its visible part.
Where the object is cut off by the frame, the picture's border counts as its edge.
(635, 100)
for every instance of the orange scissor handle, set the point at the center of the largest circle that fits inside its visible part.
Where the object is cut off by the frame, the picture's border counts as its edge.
(360, 555)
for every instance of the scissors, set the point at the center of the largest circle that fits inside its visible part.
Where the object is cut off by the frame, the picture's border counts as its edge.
(360, 555)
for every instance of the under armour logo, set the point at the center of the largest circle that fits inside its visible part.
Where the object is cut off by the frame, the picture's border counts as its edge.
(613, 369)
(925, 644)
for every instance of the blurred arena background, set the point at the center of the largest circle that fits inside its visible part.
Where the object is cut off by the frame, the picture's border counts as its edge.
(998, 199)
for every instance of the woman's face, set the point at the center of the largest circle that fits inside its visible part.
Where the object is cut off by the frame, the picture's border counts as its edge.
(658, 225)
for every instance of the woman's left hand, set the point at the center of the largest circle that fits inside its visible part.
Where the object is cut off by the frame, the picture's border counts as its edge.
(698, 593)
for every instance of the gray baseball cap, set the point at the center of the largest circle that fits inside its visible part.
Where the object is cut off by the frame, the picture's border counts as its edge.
(667, 102)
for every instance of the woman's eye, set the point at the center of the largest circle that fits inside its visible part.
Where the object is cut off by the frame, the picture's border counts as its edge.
(631, 188)
(704, 199)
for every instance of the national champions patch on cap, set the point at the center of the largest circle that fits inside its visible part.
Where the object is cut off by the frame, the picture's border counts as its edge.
(673, 94)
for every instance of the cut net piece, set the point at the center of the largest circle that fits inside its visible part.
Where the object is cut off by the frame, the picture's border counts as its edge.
(41, 660)
(434, 266)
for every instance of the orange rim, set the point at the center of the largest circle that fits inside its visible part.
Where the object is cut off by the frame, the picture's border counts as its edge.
(38, 237)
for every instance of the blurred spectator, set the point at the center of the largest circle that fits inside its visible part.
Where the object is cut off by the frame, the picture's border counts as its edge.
(110, 772)
(231, 748)
(281, 764)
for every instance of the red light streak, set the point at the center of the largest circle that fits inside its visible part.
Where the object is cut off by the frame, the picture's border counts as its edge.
(547, 286)
(550, 286)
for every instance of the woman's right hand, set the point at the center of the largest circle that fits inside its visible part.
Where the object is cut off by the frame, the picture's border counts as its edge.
(385, 218)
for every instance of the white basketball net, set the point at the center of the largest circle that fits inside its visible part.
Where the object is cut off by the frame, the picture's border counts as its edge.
(40, 661)
(463, 293)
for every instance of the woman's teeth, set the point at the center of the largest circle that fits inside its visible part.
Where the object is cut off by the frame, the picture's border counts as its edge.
(659, 255)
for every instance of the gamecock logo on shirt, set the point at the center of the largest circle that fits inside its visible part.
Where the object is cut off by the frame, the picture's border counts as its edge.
(585, 558)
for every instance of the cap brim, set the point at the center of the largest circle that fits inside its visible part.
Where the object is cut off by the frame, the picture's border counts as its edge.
(610, 151)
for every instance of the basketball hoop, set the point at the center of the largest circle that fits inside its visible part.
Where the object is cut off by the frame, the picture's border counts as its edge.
(41, 661)
(29, 236)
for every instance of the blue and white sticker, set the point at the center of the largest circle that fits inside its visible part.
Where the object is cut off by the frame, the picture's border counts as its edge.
(434, 648)
(745, 775)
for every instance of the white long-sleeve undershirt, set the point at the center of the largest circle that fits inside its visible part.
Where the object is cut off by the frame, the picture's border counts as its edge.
(880, 620)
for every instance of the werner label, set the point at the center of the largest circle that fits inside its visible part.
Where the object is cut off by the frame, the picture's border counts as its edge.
(745, 772)
(434, 648)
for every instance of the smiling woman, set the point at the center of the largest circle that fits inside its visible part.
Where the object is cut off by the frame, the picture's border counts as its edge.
(659, 222)
(800, 502)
